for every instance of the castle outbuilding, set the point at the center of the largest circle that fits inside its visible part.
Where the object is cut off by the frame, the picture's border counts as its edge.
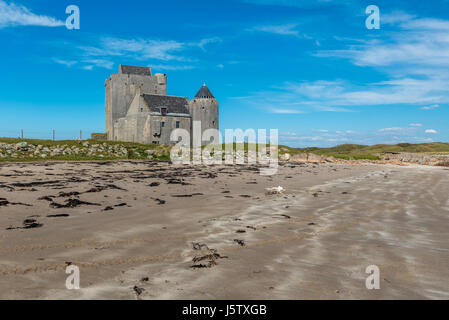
(138, 109)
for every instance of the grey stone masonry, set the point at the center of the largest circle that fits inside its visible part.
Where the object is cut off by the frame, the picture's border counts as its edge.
(138, 109)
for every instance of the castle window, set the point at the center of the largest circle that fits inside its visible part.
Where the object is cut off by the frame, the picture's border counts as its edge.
(164, 111)
(177, 124)
(213, 123)
(141, 109)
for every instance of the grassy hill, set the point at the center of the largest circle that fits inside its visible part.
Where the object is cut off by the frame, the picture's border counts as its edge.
(115, 150)
(381, 148)
(356, 151)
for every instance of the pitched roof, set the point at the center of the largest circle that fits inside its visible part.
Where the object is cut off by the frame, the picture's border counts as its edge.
(173, 104)
(204, 93)
(143, 71)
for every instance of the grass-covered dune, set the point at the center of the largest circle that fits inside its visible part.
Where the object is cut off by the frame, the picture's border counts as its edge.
(13, 149)
(359, 152)
(436, 147)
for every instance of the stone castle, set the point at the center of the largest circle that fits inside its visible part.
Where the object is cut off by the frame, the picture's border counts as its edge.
(138, 109)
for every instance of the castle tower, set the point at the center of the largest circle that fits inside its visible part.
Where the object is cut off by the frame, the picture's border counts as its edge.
(121, 88)
(204, 108)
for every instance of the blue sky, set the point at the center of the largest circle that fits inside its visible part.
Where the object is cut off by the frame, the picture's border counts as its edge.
(308, 68)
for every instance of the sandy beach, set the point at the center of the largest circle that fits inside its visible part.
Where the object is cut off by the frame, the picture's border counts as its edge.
(151, 230)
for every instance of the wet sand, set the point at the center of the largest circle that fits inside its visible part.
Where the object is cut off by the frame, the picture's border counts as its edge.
(149, 230)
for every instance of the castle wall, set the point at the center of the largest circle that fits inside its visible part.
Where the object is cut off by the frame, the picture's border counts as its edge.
(120, 89)
(128, 116)
(206, 111)
(141, 126)
(169, 126)
(126, 129)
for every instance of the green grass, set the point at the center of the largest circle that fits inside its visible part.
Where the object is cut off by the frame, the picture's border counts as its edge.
(136, 151)
(49, 143)
(434, 147)
(363, 152)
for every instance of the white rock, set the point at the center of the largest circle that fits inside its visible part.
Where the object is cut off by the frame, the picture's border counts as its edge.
(275, 190)
(285, 157)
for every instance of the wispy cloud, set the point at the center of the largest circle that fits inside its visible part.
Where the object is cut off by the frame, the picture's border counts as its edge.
(204, 42)
(421, 43)
(431, 131)
(104, 52)
(283, 29)
(333, 95)
(415, 125)
(86, 64)
(298, 3)
(99, 63)
(140, 49)
(144, 49)
(415, 57)
(395, 129)
(65, 62)
(172, 67)
(285, 111)
(431, 107)
(16, 15)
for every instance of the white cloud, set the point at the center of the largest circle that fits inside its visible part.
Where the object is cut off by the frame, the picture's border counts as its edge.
(415, 57)
(140, 49)
(17, 15)
(298, 3)
(343, 96)
(87, 64)
(431, 131)
(396, 129)
(108, 50)
(202, 43)
(66, 63)
(144, 49)
(285, 111)
(422, 140)
(168, 51)
(396, 17)
(171, 67)
(285, 29)
(397, 133)
(99, 63)
(420, 42)
(415, 125)
(333, 94)
(431, 107)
